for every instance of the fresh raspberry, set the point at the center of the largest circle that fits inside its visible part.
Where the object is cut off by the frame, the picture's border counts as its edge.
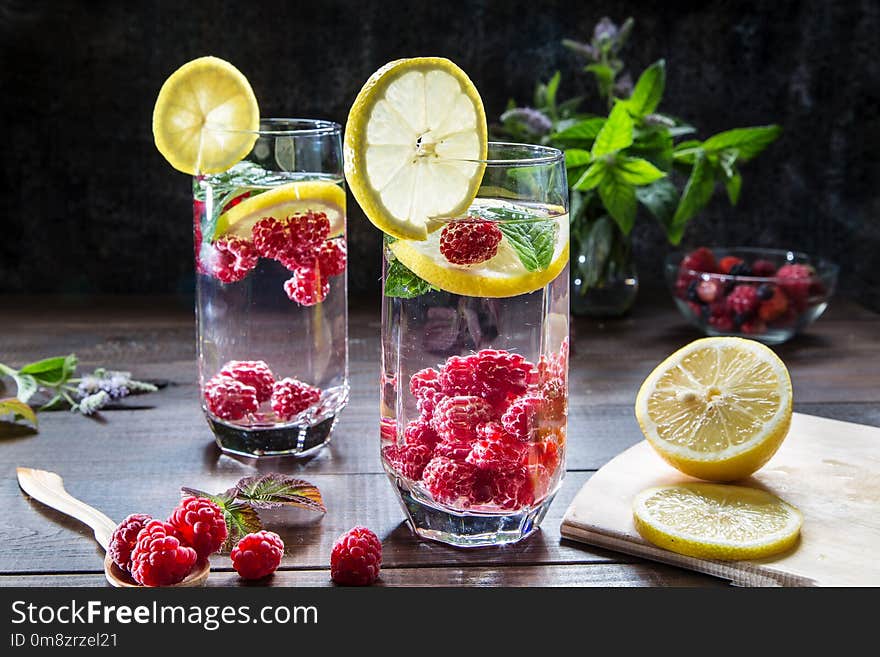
(420, 432)
(331, 258)
(492, 374)
(255, 373)
(124, 539)
(727, 263)
(299, 257)
(774, 307)
(699, 260)
(686, 285)
(428, 400)
(796, 280)
(455, 450)
(387, 429)
(159, 558)
(229, 399)
(709, 291)
(200, 523)
(232, 259)
(257, 555)
(496, 450)
(426, 379)
(512, 490)
(743, 300)
(521, 418)
(408, 459)
(238, 199)
(753, 326)
(307, 287)
(271, 238)
(456, 418)
(449, 481)
(356, 558)
(308, 230)
(470, 241)
(555, 394)
(291, 397)
(763, 268)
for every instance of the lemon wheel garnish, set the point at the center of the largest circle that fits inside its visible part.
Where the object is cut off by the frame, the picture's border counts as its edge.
(718, 408)
(716, 521)
(205, 91)
(283, 201)
(414, 141)
(501, 276)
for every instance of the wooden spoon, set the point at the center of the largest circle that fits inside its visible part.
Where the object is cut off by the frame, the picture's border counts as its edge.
(48, 488)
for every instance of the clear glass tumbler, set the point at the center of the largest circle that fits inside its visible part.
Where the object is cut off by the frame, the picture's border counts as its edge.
(475, 359)
(271, 308)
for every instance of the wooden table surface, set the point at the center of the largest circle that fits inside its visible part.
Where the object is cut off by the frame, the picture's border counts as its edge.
(135, 460)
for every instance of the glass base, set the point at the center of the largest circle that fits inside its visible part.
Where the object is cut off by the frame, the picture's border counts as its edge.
(291, 440)
(468, 529)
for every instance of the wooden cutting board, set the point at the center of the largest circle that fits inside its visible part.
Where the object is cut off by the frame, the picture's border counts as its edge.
(829, 469)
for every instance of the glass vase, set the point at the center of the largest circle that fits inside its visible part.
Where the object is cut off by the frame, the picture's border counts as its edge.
(604, 279)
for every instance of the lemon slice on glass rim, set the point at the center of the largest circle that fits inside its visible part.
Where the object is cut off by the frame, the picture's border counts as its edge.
(207, 91)
(415, 144)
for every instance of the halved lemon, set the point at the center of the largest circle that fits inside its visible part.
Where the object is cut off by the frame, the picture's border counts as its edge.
(716, 521)
(718, 408)
(205, 92)
(414, 142)
(503, 275)
(283, 201)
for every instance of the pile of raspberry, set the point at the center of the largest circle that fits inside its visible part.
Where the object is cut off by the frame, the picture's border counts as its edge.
(729, 295)
(243, 387)
(162, 553)
(490, 430)
(299, 242)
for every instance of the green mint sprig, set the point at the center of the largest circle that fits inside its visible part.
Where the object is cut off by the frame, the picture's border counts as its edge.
(533, 240)
(403, 283)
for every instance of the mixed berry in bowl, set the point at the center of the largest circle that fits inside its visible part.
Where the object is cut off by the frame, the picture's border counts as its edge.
(764, 294)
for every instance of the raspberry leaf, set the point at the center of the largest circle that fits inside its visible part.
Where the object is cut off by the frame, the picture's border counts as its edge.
(273, 490)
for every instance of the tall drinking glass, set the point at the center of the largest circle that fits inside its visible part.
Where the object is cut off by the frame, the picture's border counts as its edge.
(271, 311)
(475, 357)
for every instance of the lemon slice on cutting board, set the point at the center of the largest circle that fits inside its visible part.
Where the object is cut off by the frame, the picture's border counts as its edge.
(205, 92)
(414, 141)
(718, 408)
(503, 275)
(716, 521)
(283, 201)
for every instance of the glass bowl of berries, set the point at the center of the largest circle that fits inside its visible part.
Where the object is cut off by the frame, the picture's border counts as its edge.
(764, 294)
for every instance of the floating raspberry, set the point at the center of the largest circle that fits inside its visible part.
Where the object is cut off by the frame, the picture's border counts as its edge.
(255, 373)
(257, 555)
(512, 490)
(426, 379)
(232, 259)
(409, 459)
(331, 258)
(763, 268)
(699, 260)
(200, 523)
(450, 481)
(420, 432)
(743, 300)
(774, 307)
(124, 538)
(159, 558)
(229, 399)
(308, 230)
(456, 418)
(356, 558)
(470, 241)
(291, 397)
(307, 287)
(496, 450)
(521, 418)
(270, 237)
(295, 258)
(727, 263)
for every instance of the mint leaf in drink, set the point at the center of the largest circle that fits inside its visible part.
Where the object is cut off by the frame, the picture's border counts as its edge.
(619, 198)
(402, 283)
(648, 91)
(272, 490)
(636, 171)
(616, 134)
(747, 142)
(532, 239)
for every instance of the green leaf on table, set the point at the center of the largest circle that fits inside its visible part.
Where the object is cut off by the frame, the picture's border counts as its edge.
(636, 171)
(403, 283)
(18, 409)
(241, 518)
(696, 195)
(616, 134)
(273, 490)
(581, 133)
(747, 142)
(648, 91)
(592, 177)
(575, 157)
(619, 198)
(51, 371)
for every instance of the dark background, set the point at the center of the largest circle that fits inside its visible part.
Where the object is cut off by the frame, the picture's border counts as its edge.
(89, 205)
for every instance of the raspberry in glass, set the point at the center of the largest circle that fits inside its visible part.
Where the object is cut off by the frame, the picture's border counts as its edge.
(409, 459)
(291, 397)
(420, 432)
(308, 230)
(257, 555)
(426, 379)
(512, 490)
(232, 259)
(456, 418)
(496, 450)
(743, 300)
(331, 258)
(520, 419)
(255, 373)
(470, 242)
(270, 237)
(700, 260)
(307, 287)
(450, 481)
(229, 399)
